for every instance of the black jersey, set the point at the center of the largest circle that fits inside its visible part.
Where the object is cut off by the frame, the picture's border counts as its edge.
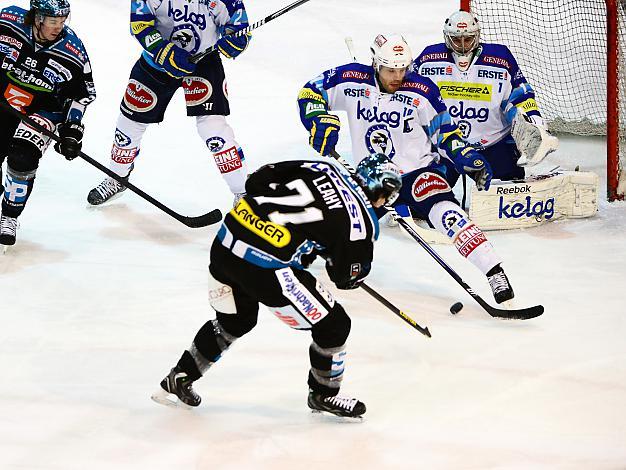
(55, 77)
(296, 209)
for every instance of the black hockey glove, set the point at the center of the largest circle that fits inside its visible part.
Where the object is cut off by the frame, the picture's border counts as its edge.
(71, 134)
(351, 280)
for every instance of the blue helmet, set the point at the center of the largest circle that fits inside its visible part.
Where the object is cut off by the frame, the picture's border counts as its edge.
(378, 177)
(51, 7)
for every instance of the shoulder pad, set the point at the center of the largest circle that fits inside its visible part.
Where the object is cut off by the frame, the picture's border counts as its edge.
(72, 46)
(415, 83)
(434, 52)
(496, 55)
(351, 73)
(231, 5)
(15, 15)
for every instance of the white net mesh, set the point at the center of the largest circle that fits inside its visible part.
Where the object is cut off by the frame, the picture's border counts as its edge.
(561, 47)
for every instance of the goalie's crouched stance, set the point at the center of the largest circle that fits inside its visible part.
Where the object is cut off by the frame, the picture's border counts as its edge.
(293, 211)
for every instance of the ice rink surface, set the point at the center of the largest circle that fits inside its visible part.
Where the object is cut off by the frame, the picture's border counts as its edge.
(98, 303)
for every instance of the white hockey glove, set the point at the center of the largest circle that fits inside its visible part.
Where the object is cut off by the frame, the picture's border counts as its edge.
(534, 142)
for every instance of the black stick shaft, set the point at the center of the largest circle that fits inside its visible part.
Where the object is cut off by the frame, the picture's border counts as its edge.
(201, 55)
(395, 309)
(209, 218)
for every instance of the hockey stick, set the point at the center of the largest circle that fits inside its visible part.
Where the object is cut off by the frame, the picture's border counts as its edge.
(195, 58)
(394, 309)
(194, 222)
(514, 314)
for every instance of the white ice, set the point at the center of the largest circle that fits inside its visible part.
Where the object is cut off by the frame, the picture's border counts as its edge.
(98, 304)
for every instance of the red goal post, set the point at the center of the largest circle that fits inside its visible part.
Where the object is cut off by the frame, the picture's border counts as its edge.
(570, 52)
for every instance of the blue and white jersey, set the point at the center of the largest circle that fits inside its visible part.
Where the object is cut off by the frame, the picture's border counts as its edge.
(485, 98)
(54, 77)
(193, 25)
(410, 126)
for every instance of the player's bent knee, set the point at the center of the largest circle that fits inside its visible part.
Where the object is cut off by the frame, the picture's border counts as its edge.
(23, 156)
(334, 329)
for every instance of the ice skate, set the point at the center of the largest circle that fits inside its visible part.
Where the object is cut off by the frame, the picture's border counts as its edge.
(108, 190)
(336, 405)
(8, 230)
(176, 391)
(500, 286)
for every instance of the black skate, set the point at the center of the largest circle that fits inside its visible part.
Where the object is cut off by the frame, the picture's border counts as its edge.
(340, 406)
(107, 190)
(176, 390)
(8, 230)
(500, 286)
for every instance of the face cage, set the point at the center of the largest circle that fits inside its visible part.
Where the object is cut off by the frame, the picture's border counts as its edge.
(450, 37)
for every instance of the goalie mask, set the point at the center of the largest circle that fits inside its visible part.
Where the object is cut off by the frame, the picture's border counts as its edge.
(391, 51)
(462, 35)
(379, 177)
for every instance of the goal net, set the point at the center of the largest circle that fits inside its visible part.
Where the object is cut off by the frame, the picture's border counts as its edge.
(570, 53)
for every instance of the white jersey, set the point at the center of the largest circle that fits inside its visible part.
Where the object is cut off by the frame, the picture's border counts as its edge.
(193, 25)
(485, 98)
(408, 126)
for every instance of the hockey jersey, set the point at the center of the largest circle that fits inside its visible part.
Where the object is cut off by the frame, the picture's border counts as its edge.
(295, 210)
(411, 126)
(485, 98)
(193, 25)
(55, 77)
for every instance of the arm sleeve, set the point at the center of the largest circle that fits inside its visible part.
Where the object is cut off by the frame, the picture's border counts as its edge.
(85, 94)
(232, 18)
(143, 25)
(522, 96)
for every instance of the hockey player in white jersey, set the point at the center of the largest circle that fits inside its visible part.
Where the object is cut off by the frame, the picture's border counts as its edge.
(403, 116)
(487, 94)
(170, 33)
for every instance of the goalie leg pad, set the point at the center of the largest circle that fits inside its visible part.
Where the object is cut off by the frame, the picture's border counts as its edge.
(469, 240)
(229, 158)
(538, 199)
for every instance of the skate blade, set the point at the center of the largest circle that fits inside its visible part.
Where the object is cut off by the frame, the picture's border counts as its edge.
(322, 415)
(169, 399)
(5, 249)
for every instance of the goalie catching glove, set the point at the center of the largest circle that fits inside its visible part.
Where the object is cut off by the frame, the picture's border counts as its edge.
(533, 141)
(324, 133)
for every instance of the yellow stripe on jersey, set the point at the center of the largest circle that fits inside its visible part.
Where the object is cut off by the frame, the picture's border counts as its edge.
(138, 26)
(308, 94)
(529, 105)
(465, 91)
(276, 235)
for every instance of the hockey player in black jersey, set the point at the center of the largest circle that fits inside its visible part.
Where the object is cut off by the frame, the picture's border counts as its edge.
(44, 73)
(293, 212)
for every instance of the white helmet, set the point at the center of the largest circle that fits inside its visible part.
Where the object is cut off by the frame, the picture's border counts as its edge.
(461, 24)
(391, 51)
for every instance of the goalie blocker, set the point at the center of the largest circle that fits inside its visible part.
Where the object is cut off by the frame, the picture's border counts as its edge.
(532, 202)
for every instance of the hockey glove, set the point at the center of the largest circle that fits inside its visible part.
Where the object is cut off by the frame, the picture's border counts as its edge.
(352, 280)
(324, 133)
(473, 164)
(174, 60)
(232, 46)
(71, 139)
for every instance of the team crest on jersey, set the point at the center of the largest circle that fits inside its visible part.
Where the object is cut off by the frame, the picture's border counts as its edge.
(428, 184)
(378, 140)
(139, 97)
(186, 37)
(197, 90)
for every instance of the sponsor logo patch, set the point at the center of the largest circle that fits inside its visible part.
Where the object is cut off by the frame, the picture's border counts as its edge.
(469, 239)
(11, 41)
(304, 301)
(275, 234)
(17, 98)
(526, 208)
(124, 156)
(468, 91)
(139, 97)
(228, 160)
(197, 90)
(427, 185)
